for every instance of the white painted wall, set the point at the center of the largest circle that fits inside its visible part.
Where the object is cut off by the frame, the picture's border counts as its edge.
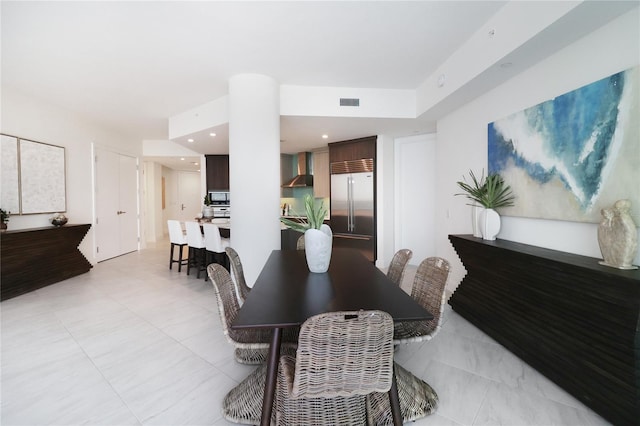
(462, 138)
(254, 169)
(385, 203)
(325, 102)
(154, 226)
(31, 118)
(415, 195)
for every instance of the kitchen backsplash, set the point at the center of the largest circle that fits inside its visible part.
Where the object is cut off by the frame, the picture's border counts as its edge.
(296, 205)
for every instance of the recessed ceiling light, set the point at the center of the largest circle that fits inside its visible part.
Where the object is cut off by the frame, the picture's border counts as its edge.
(182, 159)
(195, 164)
(189, 140)
(325, 136)
(212, 134)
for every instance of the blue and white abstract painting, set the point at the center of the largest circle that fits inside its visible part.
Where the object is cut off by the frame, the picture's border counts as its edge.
(571, 156)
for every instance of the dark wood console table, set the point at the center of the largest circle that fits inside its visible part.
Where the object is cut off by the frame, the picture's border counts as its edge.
(575, 321)
(34, 258)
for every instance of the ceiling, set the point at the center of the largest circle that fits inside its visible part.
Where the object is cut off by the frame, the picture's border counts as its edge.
(132, 65)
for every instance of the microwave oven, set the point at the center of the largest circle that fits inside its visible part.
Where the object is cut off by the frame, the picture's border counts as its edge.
(220, 198)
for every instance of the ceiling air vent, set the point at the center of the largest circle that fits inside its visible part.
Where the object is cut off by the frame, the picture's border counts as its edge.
(349, 102)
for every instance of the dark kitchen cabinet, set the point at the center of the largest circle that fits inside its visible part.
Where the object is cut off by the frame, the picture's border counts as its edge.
(217, 172)
(354, 149)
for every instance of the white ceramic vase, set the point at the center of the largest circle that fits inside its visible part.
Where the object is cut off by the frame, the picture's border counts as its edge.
(475, 219)
(207, 211)
(317, 247)
(489, 224)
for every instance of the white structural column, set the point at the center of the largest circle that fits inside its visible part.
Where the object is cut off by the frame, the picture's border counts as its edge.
(254, 169)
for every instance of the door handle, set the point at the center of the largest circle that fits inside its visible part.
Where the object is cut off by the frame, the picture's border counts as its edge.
(120, 212)
(182, 207)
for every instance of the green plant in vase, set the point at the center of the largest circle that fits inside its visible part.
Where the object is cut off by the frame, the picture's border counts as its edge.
(207, 211)
(314, 216)
(318, 237)
(491, 193)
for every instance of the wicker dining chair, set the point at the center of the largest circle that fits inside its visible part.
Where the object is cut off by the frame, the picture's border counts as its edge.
(428, 290)
(300, 243)
(417, 400)
(242, 289)
(341, 358)
(398, 265)
(251, 345)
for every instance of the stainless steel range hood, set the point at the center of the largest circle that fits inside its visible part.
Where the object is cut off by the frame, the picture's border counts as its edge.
(303, 178)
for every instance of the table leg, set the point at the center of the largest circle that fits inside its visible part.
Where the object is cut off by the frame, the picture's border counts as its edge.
(394, 400)
(272, 377)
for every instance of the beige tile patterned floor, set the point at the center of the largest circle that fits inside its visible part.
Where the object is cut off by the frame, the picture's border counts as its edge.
(133, 343)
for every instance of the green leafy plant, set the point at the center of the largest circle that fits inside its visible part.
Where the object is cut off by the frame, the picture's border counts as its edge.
(207, 200)
(315, 216)
(490, 192)
(4, 216)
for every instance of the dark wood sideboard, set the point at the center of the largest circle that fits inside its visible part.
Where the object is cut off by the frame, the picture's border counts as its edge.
(37, 257)
(575, 321)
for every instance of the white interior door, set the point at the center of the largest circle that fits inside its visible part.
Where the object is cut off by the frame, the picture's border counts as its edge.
(189, 198)
(116, 204)
(128, 203)
(415, 192)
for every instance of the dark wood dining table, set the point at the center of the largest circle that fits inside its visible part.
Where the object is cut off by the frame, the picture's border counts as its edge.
(286, 294)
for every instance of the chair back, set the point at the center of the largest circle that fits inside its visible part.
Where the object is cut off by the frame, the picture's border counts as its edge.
(176, 236)
(300, 243)
(236, 266)
(212, 239)
(344, 354)
(428, 287)
(228, 305)
(194, 235)
(398, 264)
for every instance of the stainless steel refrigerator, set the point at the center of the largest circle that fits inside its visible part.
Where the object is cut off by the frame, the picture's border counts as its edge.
(353, 206)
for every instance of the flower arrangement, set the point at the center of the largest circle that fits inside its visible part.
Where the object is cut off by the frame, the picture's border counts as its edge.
(490, 192)
(315, 216)
(207, 200)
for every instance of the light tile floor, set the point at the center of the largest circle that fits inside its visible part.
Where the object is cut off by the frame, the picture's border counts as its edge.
(133, 343)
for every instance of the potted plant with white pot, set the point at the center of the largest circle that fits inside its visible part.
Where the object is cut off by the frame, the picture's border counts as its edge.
(491, 193)
(207, 210)
(318, 237)
(4, 218)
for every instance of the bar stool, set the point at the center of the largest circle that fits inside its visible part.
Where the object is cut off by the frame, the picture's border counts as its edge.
(215, 246)
(177, 238)
(197, 250)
